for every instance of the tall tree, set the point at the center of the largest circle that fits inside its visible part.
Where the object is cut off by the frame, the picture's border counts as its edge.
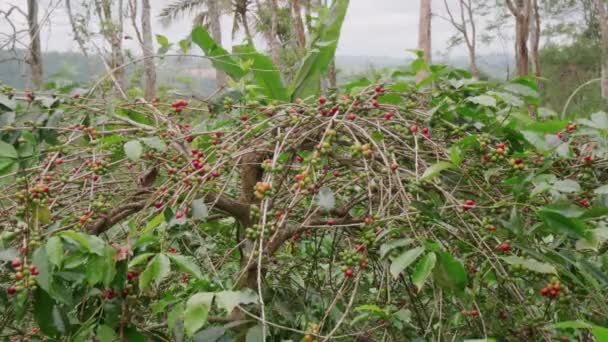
(424, 33)
(535, 32)
(35, 54)
(148, 51)
(208, 15)
(602, 11)
(464, 23)
(298, 25)
(521, 10)
(112, 31)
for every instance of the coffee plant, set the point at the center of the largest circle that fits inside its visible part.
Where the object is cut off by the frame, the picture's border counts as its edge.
(388, 211)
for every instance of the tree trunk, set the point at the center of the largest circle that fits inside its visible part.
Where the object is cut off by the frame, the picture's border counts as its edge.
(473, 62)
(332, 75)
(35, 55)
(424, 34)
(298, 25)
(148, 49)
(603, 16)
(272, 37)
(216, 32)
(521, 11)
(535, 43)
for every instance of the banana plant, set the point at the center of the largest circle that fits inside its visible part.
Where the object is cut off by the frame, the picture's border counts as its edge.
(247, 61)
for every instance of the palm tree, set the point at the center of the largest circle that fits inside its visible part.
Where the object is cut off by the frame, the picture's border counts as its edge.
(208, 16)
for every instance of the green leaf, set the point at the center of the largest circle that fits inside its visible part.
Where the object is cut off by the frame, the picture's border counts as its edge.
(600, 120)
(197, 309)
(567, 186)
(434, 170)
(228, 300)
(87, 243)
(530, 264)
(41, 260)
(54, 250)
(265, 74)
(255, 334)
(424, 268)
(43, 312)
(389, 246)
(155, 143)
(199, 209)
(211, 334)
(106, 334)
(450, 273)
(162, 40)
(483, 100)
(133, 150)
(400, 263)
(187, 265)
(7, 151)
(220, 58)
(157, 270)
(562, 224)
(321, 52)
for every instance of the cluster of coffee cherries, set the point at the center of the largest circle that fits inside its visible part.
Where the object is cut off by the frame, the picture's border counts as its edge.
(518, 164)
(552, 289)
(179, 105)
(351, 258)
(254, 232)
(262, 189)
(23, 276)
(97, 168)
(324, 146)
(37, 193)
(86, 129)
(495, 154)
(311, 330)
(359, 150)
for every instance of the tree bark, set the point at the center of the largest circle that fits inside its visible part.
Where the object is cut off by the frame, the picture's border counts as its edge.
(535, 42)
(216, 32)
(272, 39)
(35, 54)
(521, 11)
(603, 16)
(424, 34)
(77, 37)
(332, 75)
(148, 50)
(298, 25)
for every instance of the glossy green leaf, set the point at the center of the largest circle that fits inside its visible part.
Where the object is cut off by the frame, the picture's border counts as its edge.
(265, 74)
(320, 52)
(562, 224)
(400, 263)
(530, 264)
(424, 268)
(158, 269)
(450, 273)
(196, 311)
(54, 250)
(133, 150)
(220, 58)
(228, 300)
(435, 169)
(186, 264)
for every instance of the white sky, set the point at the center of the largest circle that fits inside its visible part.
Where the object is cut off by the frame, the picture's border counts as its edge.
(372, 27)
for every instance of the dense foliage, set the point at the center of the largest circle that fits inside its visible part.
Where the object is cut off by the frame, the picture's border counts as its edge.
(388, 211)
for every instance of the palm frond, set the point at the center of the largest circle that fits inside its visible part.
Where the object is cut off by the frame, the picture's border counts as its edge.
(179, 8)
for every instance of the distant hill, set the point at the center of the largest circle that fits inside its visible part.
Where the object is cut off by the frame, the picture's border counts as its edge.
(196, 73)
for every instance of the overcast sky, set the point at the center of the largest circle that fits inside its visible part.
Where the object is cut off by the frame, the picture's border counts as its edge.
(372, 27)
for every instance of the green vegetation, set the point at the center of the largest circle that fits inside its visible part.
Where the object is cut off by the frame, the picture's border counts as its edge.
(411, 204)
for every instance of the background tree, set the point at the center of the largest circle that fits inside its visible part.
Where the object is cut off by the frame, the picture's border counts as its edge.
(112, 30)
(35, 55)
(464, 22)
(600, 5)
(424, 33)
(521, 10)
